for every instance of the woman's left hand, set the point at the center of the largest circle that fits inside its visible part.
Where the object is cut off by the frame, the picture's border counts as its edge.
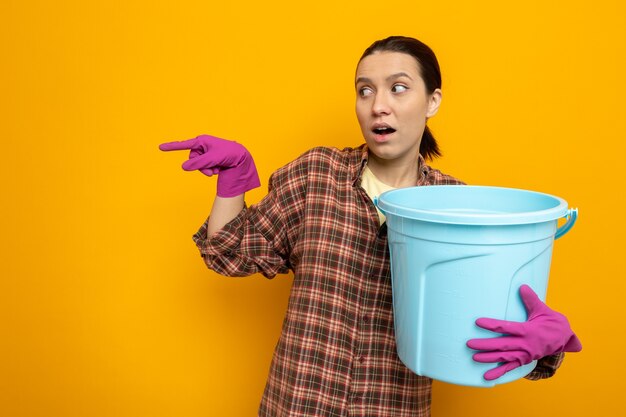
(546, 332)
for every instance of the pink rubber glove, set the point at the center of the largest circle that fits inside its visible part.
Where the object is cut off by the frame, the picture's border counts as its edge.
(545, 333)
(211, 155)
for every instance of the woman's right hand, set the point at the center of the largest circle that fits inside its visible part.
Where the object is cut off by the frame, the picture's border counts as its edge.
(230, 160)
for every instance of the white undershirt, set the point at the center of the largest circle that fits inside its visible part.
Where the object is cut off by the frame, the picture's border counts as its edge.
(374, 187)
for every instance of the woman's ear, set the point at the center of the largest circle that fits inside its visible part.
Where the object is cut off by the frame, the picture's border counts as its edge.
(434, 100)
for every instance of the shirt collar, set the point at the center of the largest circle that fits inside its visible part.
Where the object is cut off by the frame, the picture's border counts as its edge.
(362, 155)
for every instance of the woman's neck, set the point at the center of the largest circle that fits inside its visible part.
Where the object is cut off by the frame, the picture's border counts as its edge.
(395, 173)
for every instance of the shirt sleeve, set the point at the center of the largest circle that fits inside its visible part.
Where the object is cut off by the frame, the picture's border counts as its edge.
(259, 239)
(546, 367)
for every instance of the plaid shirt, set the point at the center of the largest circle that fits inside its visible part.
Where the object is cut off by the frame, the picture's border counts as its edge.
(336, 355)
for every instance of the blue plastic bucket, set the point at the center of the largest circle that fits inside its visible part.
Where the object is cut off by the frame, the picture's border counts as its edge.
(459, 253)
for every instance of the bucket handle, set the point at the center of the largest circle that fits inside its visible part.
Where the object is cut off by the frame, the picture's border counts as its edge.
(375, 201)
(571, 216)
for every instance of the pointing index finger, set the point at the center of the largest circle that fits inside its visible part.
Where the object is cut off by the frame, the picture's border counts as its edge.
(178, 145)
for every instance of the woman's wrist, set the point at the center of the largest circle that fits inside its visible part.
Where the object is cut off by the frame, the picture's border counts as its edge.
(223, 211)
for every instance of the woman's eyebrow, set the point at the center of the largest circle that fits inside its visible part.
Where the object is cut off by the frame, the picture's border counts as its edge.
(399, 75)
(362, 80)
(389, 78)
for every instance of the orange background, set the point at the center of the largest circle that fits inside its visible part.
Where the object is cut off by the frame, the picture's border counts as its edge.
(106, 309)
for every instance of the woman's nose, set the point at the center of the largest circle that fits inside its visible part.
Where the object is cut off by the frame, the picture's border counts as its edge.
(381, 104)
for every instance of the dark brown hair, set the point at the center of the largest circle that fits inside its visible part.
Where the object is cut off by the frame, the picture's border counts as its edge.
(429, 70)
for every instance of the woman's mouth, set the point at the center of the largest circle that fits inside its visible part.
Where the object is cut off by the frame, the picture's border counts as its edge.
(382, 133)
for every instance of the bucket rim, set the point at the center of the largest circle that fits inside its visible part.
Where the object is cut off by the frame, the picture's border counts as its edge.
(559, 210)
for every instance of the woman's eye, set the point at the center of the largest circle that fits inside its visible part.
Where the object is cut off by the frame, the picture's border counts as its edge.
(398, 88)
(365, 91)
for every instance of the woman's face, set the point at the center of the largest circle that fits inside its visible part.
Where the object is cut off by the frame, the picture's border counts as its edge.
(392, 105)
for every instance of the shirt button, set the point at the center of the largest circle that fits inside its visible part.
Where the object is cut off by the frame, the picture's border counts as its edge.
(366, 319)
(361, 359)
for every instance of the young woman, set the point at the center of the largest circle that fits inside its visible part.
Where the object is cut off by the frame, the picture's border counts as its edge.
(336, 355)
